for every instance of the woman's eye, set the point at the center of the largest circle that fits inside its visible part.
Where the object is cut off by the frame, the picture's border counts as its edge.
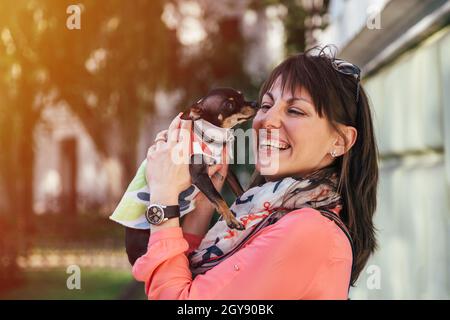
(296, 112)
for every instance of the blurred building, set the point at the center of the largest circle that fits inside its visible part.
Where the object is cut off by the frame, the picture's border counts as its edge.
(67, 162)
(70, 175)
(403, 48)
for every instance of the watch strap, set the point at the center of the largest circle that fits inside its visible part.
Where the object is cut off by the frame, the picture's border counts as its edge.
(171, 211)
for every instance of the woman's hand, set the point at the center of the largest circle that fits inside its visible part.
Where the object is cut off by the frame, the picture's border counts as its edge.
(167, 178)
(167, 170)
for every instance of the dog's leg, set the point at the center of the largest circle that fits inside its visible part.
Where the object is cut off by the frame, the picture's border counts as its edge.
(234, 184)
(200, 178)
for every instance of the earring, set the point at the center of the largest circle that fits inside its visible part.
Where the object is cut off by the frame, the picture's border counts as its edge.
(333, 153)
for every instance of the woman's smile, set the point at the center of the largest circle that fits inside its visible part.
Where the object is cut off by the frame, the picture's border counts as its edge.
(273, 144)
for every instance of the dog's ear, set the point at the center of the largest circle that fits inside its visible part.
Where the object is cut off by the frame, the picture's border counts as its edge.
(186, 115)
(195, 111)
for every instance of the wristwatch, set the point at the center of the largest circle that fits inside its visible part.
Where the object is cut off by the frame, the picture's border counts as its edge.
(157, 213)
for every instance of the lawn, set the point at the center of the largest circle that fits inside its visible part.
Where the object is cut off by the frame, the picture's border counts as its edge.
(79, 238)
(103, 284)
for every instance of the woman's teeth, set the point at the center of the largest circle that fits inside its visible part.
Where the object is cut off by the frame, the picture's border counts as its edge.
(271, 144)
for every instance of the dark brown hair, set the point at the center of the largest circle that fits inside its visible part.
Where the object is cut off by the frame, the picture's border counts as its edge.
(334, 97)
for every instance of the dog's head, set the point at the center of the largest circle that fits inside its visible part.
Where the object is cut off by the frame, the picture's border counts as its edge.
(222, 107)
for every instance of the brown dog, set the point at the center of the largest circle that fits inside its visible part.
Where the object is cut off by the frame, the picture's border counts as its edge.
(224, 108)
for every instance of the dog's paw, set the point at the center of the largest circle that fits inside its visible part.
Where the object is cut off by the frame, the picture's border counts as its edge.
(233, 223)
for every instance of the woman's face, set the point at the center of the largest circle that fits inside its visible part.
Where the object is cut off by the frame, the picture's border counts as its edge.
(291, 138)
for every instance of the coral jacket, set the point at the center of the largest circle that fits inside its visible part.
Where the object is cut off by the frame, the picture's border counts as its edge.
(304, 255)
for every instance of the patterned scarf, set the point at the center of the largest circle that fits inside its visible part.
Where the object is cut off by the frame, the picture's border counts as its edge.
(264, 205)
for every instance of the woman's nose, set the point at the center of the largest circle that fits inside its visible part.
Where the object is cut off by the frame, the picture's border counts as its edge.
(272, 118)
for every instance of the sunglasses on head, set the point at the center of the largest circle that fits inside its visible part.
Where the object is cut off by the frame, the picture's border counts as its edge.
(349, 69)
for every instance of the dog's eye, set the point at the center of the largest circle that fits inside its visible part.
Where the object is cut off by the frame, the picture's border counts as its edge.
(229, 105)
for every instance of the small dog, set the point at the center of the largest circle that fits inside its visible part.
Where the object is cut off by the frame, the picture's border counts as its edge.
(223, 108)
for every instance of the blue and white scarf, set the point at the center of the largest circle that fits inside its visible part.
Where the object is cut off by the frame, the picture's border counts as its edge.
(264, 205)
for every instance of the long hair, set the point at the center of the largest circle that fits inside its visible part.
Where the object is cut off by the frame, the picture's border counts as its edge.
(334, 97)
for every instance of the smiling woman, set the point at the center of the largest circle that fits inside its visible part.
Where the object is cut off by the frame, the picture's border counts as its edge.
(316, 106)
(308, 218)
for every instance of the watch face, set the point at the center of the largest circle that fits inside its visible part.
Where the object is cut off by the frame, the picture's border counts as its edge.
(154, 214)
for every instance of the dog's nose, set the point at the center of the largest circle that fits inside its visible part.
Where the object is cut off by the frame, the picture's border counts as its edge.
(254, 104)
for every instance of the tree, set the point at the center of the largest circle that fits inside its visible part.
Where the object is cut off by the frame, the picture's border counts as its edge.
(118, 57)
(107, 73)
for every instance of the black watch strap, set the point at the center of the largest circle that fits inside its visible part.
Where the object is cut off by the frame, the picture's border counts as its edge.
(172, 211)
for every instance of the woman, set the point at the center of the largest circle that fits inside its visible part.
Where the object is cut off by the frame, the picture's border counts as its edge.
(317, 157)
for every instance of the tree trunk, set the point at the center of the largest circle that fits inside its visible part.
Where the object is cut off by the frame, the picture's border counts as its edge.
(17, 177)
(24, 182)
(68, 169)
(128, 150)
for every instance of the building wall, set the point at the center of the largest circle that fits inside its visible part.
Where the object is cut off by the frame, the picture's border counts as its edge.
(347, 18)
(411, 112)
(410, 97)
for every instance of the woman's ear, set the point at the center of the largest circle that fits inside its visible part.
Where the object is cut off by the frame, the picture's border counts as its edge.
(339, 145)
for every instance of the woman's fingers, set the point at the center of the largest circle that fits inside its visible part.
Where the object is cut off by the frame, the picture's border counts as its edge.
(219, 176)
(159, 144)
(150, 150)
(162, 135)
(185, 132)
(224, 171)
(161, 138)
(183, 143)
(172, 132)
(218, 171)
(175, 122)
(212, 170)
(182, 134)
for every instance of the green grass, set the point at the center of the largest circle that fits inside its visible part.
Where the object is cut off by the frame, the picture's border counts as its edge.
(96, 284)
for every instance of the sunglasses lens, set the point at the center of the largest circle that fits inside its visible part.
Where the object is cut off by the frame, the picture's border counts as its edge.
(348, 68)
